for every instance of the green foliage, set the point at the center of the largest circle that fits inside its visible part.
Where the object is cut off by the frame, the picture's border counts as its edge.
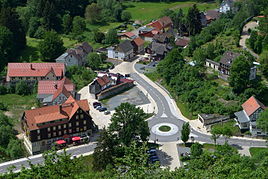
(67, 23)
(128, 123)
(94, 14)
(51, 47)
(262, 122)
(185, 132)
(7, 46)
(80, 76)
(239, 74)
(193, 20)
(94, 61)
(196, 150)
(111, 37)
(98, 36)
(264, 63)
(78, 27)
(14, 149)
(22, 88)
(126, 16)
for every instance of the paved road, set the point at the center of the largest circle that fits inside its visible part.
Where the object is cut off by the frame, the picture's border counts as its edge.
(38, 159)
(167, 114)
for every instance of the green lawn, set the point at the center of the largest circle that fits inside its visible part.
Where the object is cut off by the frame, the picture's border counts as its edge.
(254, 151)
(31, 52)
(16, 104)
(147, 11)
(231, 124)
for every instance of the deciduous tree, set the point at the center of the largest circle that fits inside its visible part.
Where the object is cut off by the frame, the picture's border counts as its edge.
(185, 132)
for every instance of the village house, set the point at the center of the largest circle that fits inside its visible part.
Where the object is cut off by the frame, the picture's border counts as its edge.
(182, 42)
(246, 119)
(127, 36)
(210, 119)
(212, 15)
(226, 6)
(75, 56)
(212, 64)
(161, 24)
(113, 77)
(100, 84)
(158, 51)
(138, 45)
(147, 33)
(55, 92)
(226, 63)
(34, 72)
(65, 123)
(123, 51)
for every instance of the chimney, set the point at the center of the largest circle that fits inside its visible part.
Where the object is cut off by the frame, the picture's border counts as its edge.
(31, 66)
(55, 85)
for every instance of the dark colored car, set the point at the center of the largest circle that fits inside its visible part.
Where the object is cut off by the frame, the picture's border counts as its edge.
(96, 104)
(102, 109)
(127, 75)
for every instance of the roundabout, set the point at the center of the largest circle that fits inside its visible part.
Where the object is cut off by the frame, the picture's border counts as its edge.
(165, 129)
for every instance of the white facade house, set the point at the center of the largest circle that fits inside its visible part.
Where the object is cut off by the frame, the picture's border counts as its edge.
(226, 6)
(124, 51)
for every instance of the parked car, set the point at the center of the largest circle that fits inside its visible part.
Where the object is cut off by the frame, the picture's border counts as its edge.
(98, 107)
(101, 109)
(127, 75)
(96, 104)
(107, 112)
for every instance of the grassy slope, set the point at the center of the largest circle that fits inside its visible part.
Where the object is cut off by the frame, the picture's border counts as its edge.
(147, 11)
(254, 151)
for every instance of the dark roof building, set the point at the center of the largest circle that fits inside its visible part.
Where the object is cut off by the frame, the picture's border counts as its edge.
(125, 46)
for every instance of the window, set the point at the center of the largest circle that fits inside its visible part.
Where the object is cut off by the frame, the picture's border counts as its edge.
(64, 126)
(65, 131)
(38, 131)
(48, 129)
(48, 135)
(77, 123)
(70, 130)
(77, 116)
(54, 134)
(85, 122)
(38, 137)
(81, 116)
(77, 129)
(70, 124)
(59, 132)
(85, 128)
(59, 127)
(54, 128)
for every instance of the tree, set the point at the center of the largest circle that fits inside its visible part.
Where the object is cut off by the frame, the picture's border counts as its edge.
(22, 88)
(104, 152)
(185, 132)
(94, 61)
(253, 39)
(199, 56)
(6, 46)
(98, 36)
(111, 37)
(128, 123)
(51, 47)
(196, 149)
(179, 21)
(67, 23)
(262, 121)
(6, 134)
(79, 25)
(264, 63)
(34, 23)
(258, 45)
(215, 134)
(93, 13)
(239, 74)
(193, 19)
(126, 16)
(14, 149)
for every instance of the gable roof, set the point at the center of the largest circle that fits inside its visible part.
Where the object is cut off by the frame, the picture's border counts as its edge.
(50, 87)
(34, 69)
(212, 15)
(125, 46)
(162, 37)
(182, 42)
(103, 80)
(61, 90)
(52, 113)
(161, 23)
(251, 105)
(138, 41)
(228, 58)
(130, 35)
(159, 48)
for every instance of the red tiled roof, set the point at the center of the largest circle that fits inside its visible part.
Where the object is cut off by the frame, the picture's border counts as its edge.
(182, 42)
(34, 69)
(251, 105)
(50, 87)
(52, 113)
(103, 80)
(124, 80)
(156, 24)
(61, 90)
(161, 23)
(138, 41)
(129, 34)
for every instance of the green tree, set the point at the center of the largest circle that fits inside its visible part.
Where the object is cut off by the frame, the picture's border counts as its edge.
(111, 37)
(126, 16)
(196, 150)
(199, 56)
(51, 47)
(128, 123)
(14, 149)
(104, 152)
(264, 63)
(253, 39)
(239, 74)
(185, 132)
(34, 23)
(7, 47)
(22, 88)
(262, 121)
(79, 25)
(94, 61)
(215, 134)
(258, 45)
(98, 36)
(6, 134)
(93, 13)
(193, 20)
(67, 23)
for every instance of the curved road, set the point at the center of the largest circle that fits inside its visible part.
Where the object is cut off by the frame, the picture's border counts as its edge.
(167, 113)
